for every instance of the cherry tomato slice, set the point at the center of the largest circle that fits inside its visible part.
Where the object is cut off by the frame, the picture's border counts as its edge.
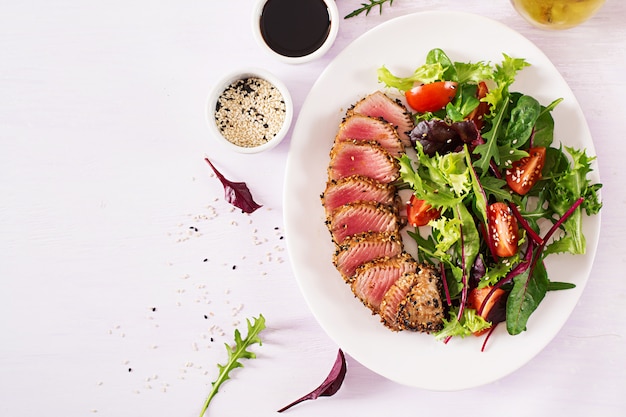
(431, 97)
(419, 212)
(503, 230)
(477, 299)
(478, 114)
(525, 173)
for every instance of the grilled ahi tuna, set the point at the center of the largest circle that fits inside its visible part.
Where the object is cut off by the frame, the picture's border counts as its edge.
(423, 309)
(373, 279)
(355, 188)
(378, 104)
(364, 128)
(414, 302)
(362, 216)
(365, 247)
(367, 159)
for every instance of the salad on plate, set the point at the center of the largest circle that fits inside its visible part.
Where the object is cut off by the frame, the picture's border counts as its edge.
(491, 193)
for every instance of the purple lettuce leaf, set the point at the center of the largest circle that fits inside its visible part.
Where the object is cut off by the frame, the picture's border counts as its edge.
(236, 193)
(331, 384)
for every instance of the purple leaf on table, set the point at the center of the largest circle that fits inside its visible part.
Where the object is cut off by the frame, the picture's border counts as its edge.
(236, 193)
(331, 384)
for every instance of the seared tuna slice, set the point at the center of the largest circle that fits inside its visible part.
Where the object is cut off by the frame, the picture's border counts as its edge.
(378, 104)
(373, 279)
(362, 216)
(423, 309)
(349, 158)
(365, 247)
(396, 294)
(414, 302)
(355, 188)
(364, 128)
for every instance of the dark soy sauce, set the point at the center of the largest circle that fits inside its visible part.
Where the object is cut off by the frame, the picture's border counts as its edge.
(295, 28)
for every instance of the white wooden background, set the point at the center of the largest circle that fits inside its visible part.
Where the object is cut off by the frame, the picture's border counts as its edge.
(112, 304)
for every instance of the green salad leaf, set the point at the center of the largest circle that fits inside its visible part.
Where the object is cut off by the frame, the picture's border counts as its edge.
(235, 353)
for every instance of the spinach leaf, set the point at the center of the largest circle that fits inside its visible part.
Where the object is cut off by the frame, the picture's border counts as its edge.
(522, 122)
(529, 288)
(471, 238)
(544, 128)
(438, 56)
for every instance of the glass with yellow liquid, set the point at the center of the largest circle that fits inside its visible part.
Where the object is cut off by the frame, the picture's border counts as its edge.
(557, 14)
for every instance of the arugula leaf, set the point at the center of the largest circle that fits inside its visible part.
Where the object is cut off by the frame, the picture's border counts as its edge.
(367, 8)
(235, 353)
(481, 198)
(489, 151)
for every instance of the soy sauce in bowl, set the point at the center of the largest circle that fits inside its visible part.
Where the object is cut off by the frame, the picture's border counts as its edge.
(297, 30)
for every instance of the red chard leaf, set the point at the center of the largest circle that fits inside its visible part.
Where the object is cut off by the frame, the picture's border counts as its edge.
(236, 193)
(331, 384)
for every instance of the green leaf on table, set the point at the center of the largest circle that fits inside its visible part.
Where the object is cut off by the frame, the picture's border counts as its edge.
(235, 353)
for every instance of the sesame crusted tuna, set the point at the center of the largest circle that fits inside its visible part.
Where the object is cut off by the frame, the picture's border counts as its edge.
(373, 279)
(378, 104)
(361, 216)
(414, 302)
(367, 159)
(362, 248)
(365, 128)
(355, 188)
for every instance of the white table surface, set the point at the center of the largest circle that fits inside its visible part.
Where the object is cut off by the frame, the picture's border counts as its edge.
(105, 283)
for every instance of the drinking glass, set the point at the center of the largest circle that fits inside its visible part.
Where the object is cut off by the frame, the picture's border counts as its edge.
(557, 14)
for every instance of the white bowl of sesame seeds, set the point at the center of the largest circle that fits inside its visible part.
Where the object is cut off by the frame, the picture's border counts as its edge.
(249, 110)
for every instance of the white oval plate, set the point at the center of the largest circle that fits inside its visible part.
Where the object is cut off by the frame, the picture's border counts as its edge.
(410, 358)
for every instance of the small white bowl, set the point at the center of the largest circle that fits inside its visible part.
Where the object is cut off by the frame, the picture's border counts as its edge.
(334, 19)
(223, 84)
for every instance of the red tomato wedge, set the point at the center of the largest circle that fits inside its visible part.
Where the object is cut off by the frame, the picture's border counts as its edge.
(503, 230)
(431, 97)
(419, 212)
(476, 299)
(478, 114)
(525, 173)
